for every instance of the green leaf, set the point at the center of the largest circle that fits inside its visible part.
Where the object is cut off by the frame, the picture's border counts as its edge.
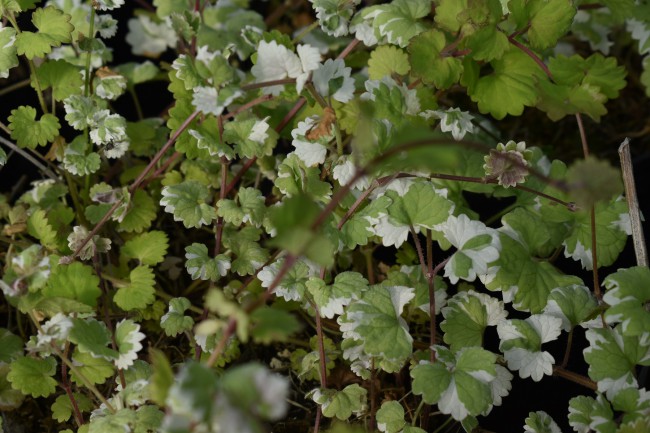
(116, 422)
(528, 281)
(250, 207)
(39, 227)
(96, 370)
(374, 320)
(9, 398)
(54, 28)
(33, 376)
(340, 404)
(8, 58)
(139, 292)
(271, 325)
(91, 337)
(467, 316)
(250, 257)
(447, 12)
(592, 180)
(387, 60)
(62, 406)
(331, 299)
(208, 140)
(200, 265)
(30, 133)
(573, 304)
(187, 202)
(428, 63)
(390, 417)
(549, 21)
(612, 359)
(11, 346)
(422, 206)
(74, 281)
(162, 377)
(174, 322)
(294, 177)
(292, 221)
(140, 213)
(487, 44)
(634, 402)
(587, 413)
(250, 136)
(77, 160)
(628, 292)
(540, 422)
(149, 248)
(399, 21)
(293, 285)
(510, 87)
(63, 77)
(580, 86)
(459, 384)
(612, 228)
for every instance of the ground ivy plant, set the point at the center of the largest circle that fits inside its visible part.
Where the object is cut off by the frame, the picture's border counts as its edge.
(295, 240)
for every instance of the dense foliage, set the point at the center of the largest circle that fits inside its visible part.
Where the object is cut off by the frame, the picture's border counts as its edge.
(295, 240)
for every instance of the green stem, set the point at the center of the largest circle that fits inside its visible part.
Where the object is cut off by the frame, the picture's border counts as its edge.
(416, 415)
(32, 68)
(91, 31)
(305, 32)
(136, 103)
(501, 213)
(444, 424)
(74, 369)
(74, 194)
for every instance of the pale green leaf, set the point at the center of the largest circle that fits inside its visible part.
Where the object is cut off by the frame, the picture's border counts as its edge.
(74, 281)
(62, 407)
(387, 60)
(340, 404)
(54, 28)
(587, 413)
(374, 320)
(33, 376)
(628, 292)
(612, 359)
(174, 321)
(29, 132)
(399, 20)
(459, 384)
(201, 266)
(149, 248)
(187, 202)
(139, 292)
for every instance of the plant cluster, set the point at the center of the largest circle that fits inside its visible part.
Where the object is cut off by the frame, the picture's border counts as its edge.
(291, 241)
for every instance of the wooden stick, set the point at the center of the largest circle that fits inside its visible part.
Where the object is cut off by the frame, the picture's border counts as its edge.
(633, 204)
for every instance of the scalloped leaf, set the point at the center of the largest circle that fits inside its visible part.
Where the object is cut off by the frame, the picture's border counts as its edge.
(74, 281)
(139, 292)
(29, 132)
(374, 321)
(187, 202)
(612, 359)
(148, 248)
(54, 28)
(340, 404)
(33, 376)
(521, 342)
(459, 383)
(174, 322)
